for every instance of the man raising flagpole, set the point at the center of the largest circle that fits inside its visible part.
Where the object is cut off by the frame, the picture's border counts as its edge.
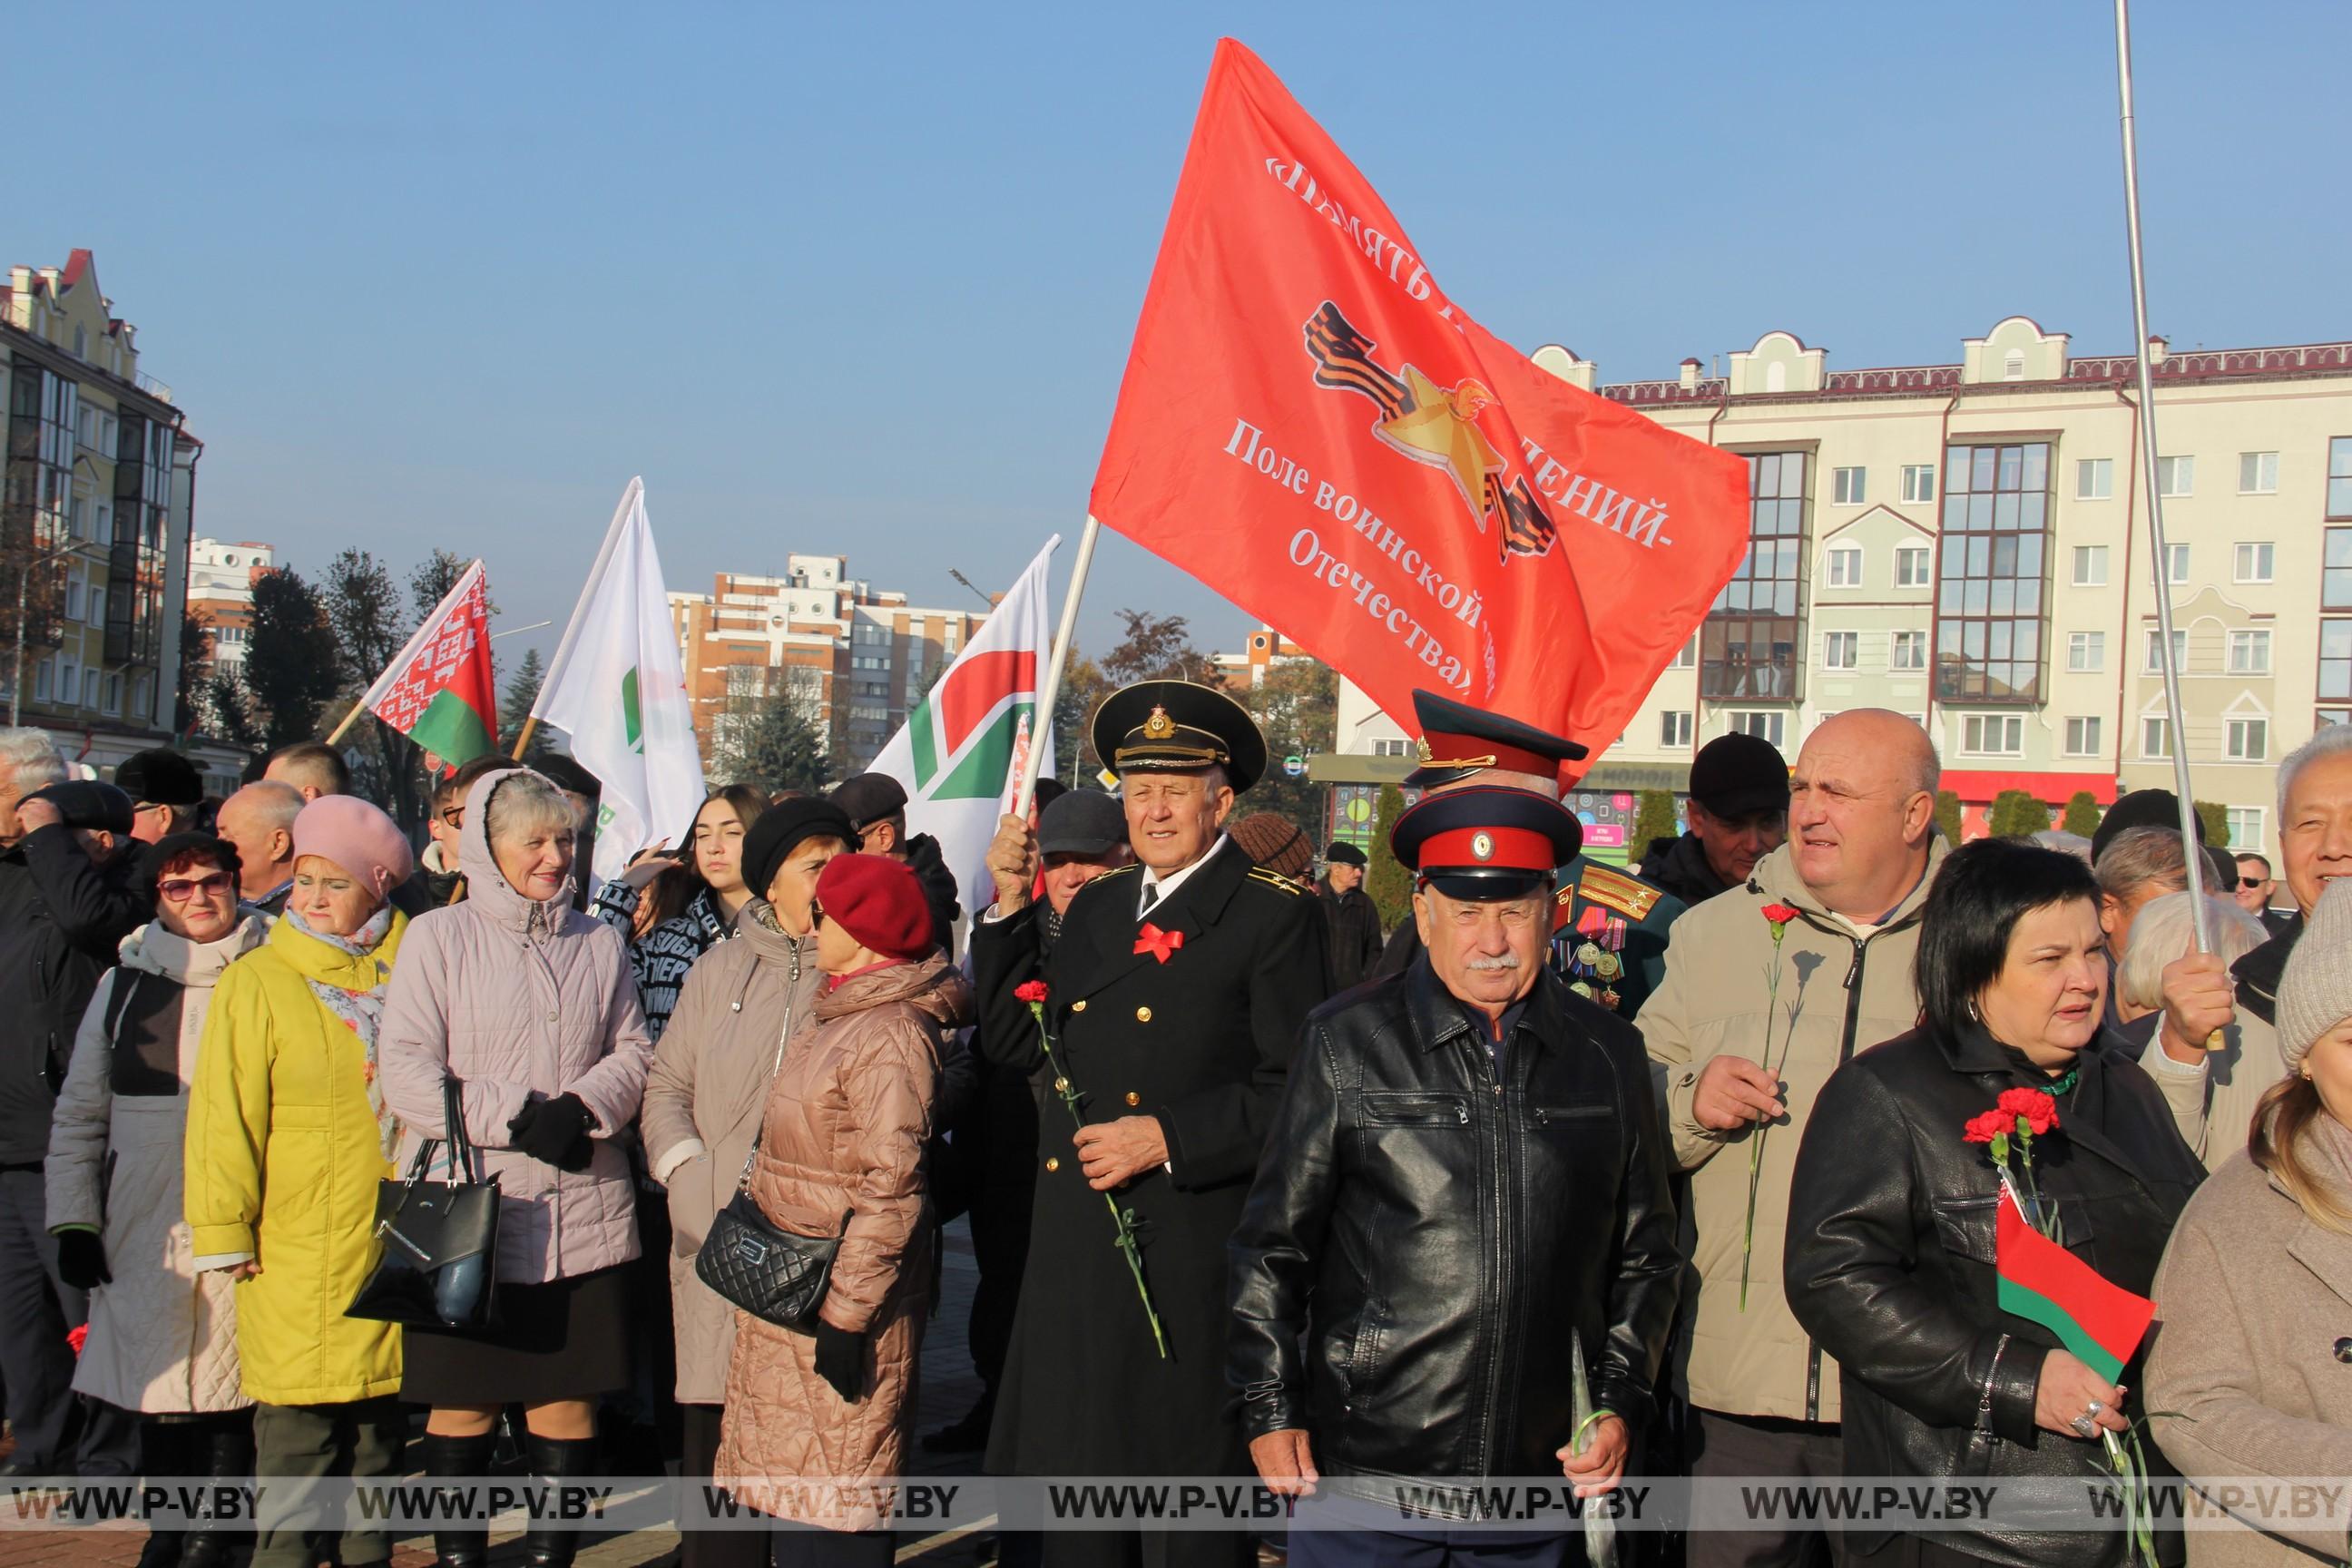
(615, 688)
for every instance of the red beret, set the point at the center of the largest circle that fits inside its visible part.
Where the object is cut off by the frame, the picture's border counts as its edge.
(877, 900)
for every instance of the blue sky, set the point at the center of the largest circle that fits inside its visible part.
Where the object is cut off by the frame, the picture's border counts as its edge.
(861, 279)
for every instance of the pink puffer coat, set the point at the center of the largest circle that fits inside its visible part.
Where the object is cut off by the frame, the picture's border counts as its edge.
(521, 1000)
(845, 1132)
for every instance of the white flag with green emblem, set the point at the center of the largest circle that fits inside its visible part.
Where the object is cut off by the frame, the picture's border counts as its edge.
(955, 755)
(616, 689)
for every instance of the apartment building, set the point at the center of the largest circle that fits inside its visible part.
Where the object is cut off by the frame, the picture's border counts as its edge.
(221, 574)
(94, 519)
(855, 658)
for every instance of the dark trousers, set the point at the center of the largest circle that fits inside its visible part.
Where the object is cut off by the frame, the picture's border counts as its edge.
(710, 1548)
(1148, 1549)
(812, 1546)
(294, 1444)
(1004, 1193)
(1754, 1445)
(1433, 1549)
(55, 1429)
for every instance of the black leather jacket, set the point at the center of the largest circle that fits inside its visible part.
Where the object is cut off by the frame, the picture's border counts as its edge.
(1891, 1262)
(1422, 1238)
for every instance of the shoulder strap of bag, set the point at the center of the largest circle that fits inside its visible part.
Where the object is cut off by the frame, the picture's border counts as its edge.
(463, 1163)
(775, 1066)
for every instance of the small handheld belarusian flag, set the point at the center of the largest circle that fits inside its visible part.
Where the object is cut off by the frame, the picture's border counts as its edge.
(2043, 1282)
(439, 691)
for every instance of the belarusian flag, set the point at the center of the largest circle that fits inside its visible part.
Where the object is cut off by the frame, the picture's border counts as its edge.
(2044, 1283)
(956, 753)
(438, 691)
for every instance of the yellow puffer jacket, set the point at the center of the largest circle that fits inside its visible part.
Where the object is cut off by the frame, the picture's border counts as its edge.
(283, 1158)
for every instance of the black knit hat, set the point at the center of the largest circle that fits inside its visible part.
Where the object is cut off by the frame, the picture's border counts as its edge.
(784, 828)
(160, 776)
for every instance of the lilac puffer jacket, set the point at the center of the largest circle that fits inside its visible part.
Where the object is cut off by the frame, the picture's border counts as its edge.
(521, 1000)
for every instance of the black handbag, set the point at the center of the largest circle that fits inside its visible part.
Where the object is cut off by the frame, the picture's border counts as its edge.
(440, 1264)
(773, 1274)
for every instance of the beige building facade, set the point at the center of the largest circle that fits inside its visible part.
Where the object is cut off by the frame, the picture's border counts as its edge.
(1967, 543)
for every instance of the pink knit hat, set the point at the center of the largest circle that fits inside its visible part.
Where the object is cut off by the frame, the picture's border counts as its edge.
(355, 836)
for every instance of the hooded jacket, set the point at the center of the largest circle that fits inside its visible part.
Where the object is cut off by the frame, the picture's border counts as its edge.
(162, 1337)
(521, 1000)
(711, 1079)
(284, 1157)
(60, 917)
(843, 1134)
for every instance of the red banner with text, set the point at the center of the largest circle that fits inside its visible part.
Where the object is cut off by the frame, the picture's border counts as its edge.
(1309, 426)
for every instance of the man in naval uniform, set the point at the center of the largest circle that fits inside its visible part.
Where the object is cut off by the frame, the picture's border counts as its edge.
(1175, 994)
(1609, 937)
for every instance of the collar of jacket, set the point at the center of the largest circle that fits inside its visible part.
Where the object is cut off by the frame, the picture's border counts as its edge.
(1776, 877)
(932, 984)
(156, 950)
(2257, 974)
(1687, 860)
(330, 965)
(1438, 1015)
(486, 886)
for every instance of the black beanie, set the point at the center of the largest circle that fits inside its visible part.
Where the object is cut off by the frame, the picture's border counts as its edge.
(782, 829)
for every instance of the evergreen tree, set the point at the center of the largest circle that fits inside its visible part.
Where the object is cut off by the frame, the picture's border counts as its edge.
(1947, 817)
(767, 740)
(291, 666)
(1388, 883)
(2215, 817)
(2016, 815)
(515, 704)
(1653, 820)
(2082, 813)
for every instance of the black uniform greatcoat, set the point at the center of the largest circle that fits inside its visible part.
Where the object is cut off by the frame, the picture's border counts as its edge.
(1203, 1043)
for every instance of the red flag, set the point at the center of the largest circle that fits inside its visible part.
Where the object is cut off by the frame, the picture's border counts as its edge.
(1310, 426)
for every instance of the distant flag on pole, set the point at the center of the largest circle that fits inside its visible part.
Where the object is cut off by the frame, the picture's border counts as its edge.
(956, 755)
(615, 688)
(438, 691)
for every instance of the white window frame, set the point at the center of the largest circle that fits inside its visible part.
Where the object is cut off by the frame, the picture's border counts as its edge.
(2246, 739)
(2250, 652)
(1842, 566)
(2261, 470)
(1675, 728)
(1848, 487)
(1914, 644)
(2086, 652)
(1686, 655)
(2090, 566)
(2151, 663)
(2256, 818)
(2082, 735)
(2156, 728)
(2254, 561)
(2176, 564)
(2094, 478)
(1976, 727)
(1773, 722)
(1847, 643)
(2176, 477)
(1915, 567)
(1919, 483)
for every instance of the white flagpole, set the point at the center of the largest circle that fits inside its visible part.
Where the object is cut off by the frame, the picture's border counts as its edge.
(2192, 852)
(1050, 689)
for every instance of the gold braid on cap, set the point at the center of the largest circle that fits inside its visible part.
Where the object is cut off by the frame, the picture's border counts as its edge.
(1429, 761)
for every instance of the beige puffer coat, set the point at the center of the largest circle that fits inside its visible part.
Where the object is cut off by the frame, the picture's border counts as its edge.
(844, 1133)
(162, 1337)
(741, 1001)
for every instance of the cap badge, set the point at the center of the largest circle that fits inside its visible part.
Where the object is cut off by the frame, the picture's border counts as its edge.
(1481, 846)
(1421, 749)
(1158, 727)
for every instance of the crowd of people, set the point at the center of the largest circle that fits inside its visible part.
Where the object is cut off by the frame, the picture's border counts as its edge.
(1581, 1171)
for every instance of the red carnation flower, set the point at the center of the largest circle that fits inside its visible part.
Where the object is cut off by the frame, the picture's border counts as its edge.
(1778, 914)
(1988, 1126)
(2035, 1109)
(1032, 991)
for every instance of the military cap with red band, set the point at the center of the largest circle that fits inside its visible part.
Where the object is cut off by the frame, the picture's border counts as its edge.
(1487, 842)
(1457, 740)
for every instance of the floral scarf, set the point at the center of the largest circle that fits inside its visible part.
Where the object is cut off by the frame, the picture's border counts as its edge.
(360, 1012)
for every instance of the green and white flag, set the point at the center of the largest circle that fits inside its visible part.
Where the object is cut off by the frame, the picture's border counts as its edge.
(616, 689)
(956, 753)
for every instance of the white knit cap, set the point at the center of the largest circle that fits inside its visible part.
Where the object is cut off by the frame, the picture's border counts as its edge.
(2315, 994)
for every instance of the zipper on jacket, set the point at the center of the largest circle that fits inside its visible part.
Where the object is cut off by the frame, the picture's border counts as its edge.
(1484, 1062)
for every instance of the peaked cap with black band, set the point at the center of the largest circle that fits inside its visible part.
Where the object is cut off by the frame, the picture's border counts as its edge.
(1487, 842)
(1457, 740)
(1174, 726)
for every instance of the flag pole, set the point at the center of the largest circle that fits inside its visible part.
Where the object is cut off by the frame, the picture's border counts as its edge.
(406, 649)
(1050, 689)
(349, 719)
(2192, 853)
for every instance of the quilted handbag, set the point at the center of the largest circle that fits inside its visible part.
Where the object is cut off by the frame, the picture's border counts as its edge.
(439, 1265)
(771, 1273)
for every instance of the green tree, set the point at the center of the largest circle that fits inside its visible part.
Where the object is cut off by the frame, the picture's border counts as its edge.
(292, 669)
(2016, 815)
(1388, 883)
(195, 669)
(231, 708)
(1082, 691)
(371, 625)
(2216, 820)
(1653, 818)
(1947, 817)
(766, 738)
(2082, 813)
(1297, 706)
(515, 705)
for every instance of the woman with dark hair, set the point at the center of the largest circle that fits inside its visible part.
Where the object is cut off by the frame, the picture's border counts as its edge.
(162, 1336)
(2252, 1367)
(1890, 1261)
(696, 900)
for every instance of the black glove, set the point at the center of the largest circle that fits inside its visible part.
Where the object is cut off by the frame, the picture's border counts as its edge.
(554, 1131)
(841, 1359)
(82, 1260)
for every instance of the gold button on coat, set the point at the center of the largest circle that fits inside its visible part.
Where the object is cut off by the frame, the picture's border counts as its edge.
(1080, 1006)
(1053, 1164)
(1133, 1098)
(1143, 1014)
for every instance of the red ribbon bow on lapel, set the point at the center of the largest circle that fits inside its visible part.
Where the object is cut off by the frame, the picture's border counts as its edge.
(1160, 944)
